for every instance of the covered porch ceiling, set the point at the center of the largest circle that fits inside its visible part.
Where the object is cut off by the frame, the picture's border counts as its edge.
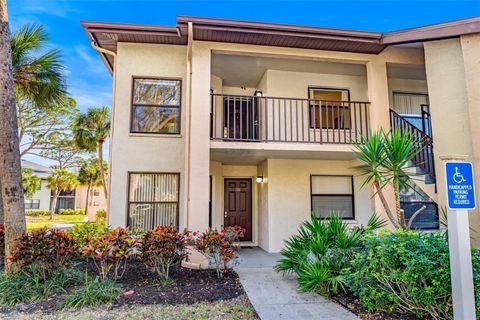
(244, 153)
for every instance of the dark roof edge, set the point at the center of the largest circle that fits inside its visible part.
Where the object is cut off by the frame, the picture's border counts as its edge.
(437, 31)
(249, 25)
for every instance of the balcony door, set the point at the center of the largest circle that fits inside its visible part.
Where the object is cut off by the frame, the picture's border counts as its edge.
(329, 108)
(240, 118)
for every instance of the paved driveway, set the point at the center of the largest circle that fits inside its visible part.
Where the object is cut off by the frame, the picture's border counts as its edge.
(275, 297)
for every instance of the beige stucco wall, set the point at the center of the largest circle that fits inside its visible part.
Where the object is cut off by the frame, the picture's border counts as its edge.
(143, 152)
(471, 58)
(282, 201)
(295, 84)
(95, 203)
(287, 188)
(450, 108)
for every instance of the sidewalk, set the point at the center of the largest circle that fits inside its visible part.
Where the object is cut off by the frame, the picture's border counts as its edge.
(276, 297)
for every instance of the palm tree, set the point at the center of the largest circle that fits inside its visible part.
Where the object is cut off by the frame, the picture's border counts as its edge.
(60, 180)
(30, 182)
(38, 76)
(90, 130)
(89, 175)
(385, 158)
(12, 203)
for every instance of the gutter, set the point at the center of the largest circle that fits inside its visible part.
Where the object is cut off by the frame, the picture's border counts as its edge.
(114, 91)
(187, 126)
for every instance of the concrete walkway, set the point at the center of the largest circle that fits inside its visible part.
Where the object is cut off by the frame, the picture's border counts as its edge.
(276, 297)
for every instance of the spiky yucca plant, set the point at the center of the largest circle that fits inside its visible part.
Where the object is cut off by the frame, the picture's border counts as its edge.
(321, 250)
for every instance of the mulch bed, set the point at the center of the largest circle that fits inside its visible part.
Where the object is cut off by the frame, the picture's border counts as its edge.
(350, 302)
(187, 287)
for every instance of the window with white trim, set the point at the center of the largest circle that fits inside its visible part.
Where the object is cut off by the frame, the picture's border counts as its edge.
(153, 200)
(331, 193)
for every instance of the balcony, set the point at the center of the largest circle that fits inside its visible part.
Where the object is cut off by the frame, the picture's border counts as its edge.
(253, 119)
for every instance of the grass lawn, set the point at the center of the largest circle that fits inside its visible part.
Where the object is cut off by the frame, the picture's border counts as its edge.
(42, 221)
(238, 308)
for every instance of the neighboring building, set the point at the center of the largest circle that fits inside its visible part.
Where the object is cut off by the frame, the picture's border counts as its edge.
(41, 198)
(220, 122)
(69, 199)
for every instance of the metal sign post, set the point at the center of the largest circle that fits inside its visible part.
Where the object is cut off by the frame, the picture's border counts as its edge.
(461, 198)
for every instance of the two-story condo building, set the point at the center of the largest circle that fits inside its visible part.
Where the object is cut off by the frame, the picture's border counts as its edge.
(222, 122)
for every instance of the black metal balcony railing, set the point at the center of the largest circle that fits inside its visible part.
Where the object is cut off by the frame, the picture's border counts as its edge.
(275, 119)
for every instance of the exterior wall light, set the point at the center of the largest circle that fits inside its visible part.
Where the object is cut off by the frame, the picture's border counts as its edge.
(259, 179)
(258, 93)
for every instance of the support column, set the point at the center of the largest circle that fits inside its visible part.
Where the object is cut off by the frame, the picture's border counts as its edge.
(450, 108)
(379, 117)
(199, 139)
(471, 60)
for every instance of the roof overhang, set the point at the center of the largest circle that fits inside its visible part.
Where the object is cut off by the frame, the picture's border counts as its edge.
(107, 35)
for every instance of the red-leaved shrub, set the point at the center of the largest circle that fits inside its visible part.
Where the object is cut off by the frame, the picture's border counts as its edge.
(111, 251)
(46, 250)
(219, 246)
(163, 248)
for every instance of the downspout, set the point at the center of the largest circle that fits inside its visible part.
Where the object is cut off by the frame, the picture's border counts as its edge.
(187, 126)
(112, 127)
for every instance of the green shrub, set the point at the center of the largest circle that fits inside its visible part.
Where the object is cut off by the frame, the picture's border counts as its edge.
(83, 233)
(163, 248)
(29, 286)
(101, 217)
(94, 293)
(111, 251)
(37, 212)
(406, 271)
(321, 250)
(46, 250)
(70, 212)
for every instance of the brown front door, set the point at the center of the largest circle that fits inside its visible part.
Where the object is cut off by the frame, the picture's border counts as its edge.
(238, 205)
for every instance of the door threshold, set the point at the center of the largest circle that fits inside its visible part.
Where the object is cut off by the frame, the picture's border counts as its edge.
(248, 244)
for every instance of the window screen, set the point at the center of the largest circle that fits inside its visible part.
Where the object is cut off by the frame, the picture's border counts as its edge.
(332, 194)
(153, 200)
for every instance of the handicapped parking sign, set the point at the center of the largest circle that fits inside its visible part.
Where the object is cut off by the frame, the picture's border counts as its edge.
(460, 185)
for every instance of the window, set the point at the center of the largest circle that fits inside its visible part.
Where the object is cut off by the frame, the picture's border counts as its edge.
(32, 203)
(332, 194)
(156, 106)
(405, 103)
(96, 193)
(153, 200)
(329, 108)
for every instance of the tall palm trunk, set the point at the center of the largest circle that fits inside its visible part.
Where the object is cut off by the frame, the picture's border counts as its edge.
(53, 203)
(102, 171)
(400, 216)
(10, 171)
(89, 188)
(388, 211)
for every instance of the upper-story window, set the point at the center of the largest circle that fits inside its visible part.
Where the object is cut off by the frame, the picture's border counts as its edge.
(156, 106)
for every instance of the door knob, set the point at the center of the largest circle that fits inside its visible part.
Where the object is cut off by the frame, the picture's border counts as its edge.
(225, 214)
